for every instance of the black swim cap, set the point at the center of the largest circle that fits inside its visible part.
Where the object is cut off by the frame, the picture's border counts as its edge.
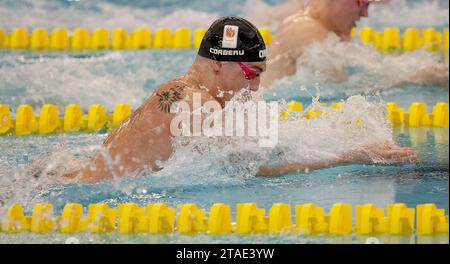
(233, 39)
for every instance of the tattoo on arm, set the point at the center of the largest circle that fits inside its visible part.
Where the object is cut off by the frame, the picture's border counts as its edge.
(167, 98)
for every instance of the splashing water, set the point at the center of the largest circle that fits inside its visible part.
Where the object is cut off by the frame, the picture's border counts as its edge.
(206, 170)
(404, 14)
(205, 161)
(367, 70)
(51, 14)
(130, 77)
(108, 79)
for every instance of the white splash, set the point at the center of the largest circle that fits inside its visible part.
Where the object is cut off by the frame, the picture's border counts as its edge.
(400, 13)
(106, 79)
(365, 69)
(201, 161)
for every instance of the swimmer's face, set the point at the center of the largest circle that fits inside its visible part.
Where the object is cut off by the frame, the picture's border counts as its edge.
(233, 77)
(349, 13)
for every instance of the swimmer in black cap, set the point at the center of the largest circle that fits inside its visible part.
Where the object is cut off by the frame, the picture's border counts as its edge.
(231, 58)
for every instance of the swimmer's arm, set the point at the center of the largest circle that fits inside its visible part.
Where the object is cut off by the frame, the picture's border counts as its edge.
(437, 75)
(265, 171)
(137, 144)
(277, 68)
(287, 46)
(371, 154)
(335, 75)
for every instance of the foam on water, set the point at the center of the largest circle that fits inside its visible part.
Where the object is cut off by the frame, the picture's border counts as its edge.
(98, 14)
(365, 70)
(107, 79)
(130, 77)
(203, 162)
(36, 171)
(404, 14)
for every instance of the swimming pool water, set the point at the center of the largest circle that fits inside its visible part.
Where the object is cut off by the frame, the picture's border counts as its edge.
(112, 78)
(109, 78)
(426, 182)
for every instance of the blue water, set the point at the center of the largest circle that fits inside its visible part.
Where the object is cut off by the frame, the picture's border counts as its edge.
(109, 78)
(426, 182)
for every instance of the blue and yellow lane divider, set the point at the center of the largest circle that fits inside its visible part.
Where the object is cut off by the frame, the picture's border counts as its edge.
(98, 119)
(49, 121)
(188, 219)
(79, 39)
(60, 39)
(391, 39)
(417, 115)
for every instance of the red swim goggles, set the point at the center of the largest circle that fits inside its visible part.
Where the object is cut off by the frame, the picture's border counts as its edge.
(366, 3)
(249, 73)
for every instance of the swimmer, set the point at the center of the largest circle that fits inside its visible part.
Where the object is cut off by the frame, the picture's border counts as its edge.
(230, 59)
(314, 24)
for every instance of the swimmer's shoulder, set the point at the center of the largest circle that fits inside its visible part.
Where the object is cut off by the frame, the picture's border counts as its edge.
(299, 16)
(173, 85)
(155, 111)
(174, 91)
(185, 90)
(316, 26)
(296, 35)
(161, 99)
(301, 25)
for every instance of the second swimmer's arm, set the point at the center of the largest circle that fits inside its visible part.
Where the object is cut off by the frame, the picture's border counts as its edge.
(437, 75)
